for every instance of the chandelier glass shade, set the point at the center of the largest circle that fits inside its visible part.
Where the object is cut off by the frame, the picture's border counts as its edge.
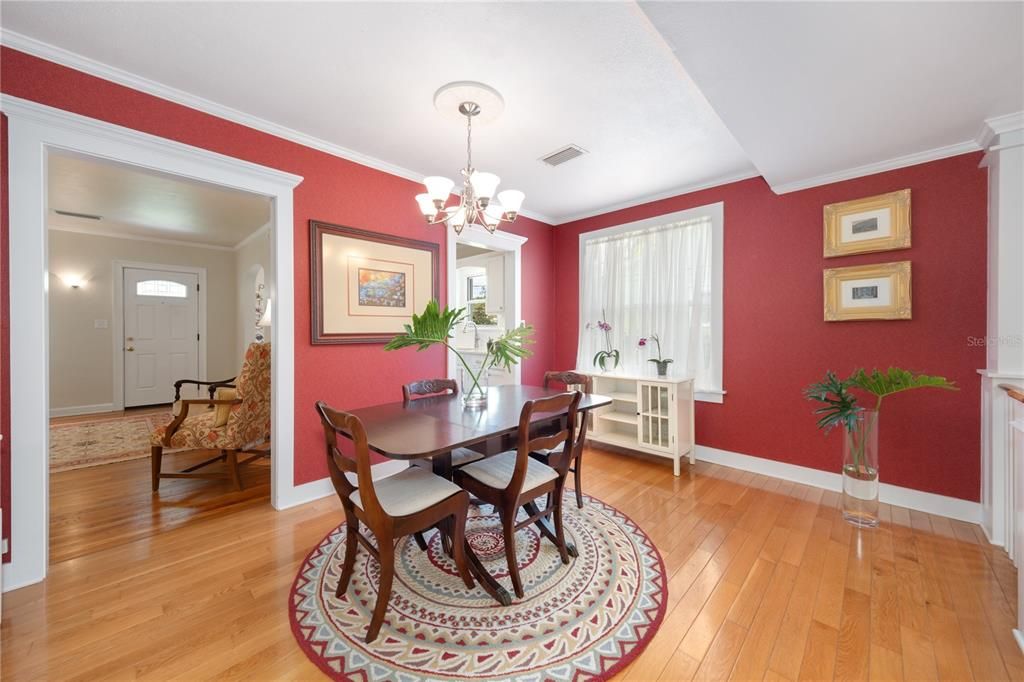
(480, 204)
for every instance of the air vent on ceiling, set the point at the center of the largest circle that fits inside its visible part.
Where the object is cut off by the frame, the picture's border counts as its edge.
(568, 153)
(72, 214)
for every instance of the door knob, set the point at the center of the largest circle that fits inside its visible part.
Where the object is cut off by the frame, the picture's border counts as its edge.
(130, 348)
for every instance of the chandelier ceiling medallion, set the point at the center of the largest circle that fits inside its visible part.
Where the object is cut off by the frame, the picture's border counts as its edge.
(478, 204)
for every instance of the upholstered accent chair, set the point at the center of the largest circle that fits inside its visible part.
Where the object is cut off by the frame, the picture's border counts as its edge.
(233, 422)
(571, 381)
(513, 479)
(405, 503)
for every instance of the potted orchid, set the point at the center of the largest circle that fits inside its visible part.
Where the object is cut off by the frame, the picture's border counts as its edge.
(660, 362)
(609, 357)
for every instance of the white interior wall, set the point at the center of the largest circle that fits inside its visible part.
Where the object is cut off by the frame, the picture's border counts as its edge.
(81, 360)
(249, 257)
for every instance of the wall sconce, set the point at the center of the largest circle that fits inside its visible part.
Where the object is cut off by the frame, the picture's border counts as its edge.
(73, 281)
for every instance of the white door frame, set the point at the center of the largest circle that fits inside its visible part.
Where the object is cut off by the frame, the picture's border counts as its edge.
(510, 243)
(118, 341)
(33, 129)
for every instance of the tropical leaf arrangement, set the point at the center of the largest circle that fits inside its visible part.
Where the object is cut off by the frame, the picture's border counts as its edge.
(840, 405)
(435, 326)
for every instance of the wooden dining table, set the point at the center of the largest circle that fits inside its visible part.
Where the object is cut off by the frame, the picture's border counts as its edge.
(425, 431)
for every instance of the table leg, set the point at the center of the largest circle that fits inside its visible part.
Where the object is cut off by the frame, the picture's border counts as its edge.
(486, 580)
(547, 530)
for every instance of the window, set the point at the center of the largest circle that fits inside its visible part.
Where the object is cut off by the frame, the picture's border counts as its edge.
(161, 287)
(658, 276)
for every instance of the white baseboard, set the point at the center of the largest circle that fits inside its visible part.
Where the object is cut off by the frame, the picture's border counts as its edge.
(76, 410)
(951, 507)
(1019, 636)
(315, 490)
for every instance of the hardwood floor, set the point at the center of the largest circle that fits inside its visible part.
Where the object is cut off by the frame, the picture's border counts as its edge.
(766, 582)
(105, 506)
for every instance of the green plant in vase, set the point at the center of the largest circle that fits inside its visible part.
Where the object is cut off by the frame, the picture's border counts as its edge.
(860, 429)
(437, 327)
(608, 356)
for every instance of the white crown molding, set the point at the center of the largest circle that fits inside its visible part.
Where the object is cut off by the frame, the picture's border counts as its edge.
(59, 118)
(999, 125)
(667, 194)
(136, 237)
(879, 167)
(942, 505)
(58, 55)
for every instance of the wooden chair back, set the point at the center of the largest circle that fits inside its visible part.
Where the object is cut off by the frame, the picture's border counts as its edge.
(556, 404)
(348, 426)
(429, 387)
(570, 379)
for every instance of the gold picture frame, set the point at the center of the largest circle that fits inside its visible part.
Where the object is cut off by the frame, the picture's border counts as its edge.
(869, 225)
(868, 292)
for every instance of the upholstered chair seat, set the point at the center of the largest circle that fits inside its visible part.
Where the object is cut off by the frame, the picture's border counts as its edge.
(496, 471)
(409, 492)
(463, 456)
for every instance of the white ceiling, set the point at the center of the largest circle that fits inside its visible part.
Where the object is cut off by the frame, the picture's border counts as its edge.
(363, 76)
(812, 91)
(142, 203)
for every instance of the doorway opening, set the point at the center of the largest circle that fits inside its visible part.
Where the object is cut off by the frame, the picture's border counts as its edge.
(485, 278)
(151, 306)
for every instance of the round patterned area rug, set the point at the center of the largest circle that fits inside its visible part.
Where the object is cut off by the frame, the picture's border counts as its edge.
(586, 620)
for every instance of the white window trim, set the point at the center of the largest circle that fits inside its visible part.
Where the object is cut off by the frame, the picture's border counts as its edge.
(716, 212)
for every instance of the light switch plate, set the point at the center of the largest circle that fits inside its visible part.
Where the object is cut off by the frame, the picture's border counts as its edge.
(100, 324)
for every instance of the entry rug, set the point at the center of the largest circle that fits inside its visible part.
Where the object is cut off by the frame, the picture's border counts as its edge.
(587, 620)
(93, 442)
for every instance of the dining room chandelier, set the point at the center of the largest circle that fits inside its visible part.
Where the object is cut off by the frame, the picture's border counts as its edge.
(480, 203)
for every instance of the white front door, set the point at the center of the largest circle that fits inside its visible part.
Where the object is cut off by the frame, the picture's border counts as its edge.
(161, 334)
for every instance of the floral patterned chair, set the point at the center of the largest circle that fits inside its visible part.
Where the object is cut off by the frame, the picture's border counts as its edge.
(236, 420)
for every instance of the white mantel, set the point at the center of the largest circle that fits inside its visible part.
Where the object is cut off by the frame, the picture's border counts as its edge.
(1003, 140)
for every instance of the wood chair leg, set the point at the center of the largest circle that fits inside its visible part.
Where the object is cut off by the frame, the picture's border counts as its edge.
(351, 547)
(459, 542)
(236, 477)
(508, 531)
(156, 454)
(576, 479)
(557, 514)
(421, 541)
(386, 550)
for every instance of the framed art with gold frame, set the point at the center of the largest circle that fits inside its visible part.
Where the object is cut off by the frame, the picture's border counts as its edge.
(879, 223)
(868, 292)
(365, 286)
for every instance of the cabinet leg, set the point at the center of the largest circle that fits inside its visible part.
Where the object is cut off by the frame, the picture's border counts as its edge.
(675, 466)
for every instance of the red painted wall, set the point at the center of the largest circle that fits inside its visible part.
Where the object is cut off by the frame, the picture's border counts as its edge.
(333, 190)
(776, 341)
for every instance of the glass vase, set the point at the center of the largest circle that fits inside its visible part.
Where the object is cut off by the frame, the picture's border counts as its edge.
(860, 470)
(474, 388)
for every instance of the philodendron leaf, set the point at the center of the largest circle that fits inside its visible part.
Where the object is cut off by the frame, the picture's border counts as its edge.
(897, 380)
(430, 327)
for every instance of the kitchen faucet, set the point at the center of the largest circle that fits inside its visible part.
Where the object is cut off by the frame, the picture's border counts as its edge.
(476, 332)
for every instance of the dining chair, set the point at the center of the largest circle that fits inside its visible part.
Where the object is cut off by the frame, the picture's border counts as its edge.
(429, 387)
(571, 380)
(513, 479)
(408, 502)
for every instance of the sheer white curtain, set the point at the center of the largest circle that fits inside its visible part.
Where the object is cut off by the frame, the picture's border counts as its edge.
(655, 280)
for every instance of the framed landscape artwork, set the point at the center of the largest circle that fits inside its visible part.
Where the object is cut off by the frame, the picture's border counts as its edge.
(365, 285)
(879, 223)
(868, 292)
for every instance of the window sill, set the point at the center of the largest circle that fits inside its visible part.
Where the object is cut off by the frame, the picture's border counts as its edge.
(709, 396)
